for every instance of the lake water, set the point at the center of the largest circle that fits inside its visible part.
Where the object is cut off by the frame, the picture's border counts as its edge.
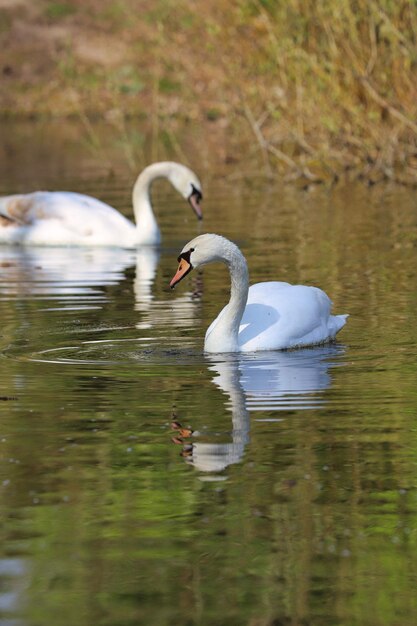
(294, 499)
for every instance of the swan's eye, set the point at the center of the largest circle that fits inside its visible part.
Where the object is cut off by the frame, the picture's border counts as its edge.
(186, 256)
(196, 193)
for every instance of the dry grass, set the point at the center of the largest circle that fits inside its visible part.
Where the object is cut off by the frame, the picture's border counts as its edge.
(308, 89)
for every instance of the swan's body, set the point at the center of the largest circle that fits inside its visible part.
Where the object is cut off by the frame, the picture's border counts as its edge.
(266, 316)
(60, 218)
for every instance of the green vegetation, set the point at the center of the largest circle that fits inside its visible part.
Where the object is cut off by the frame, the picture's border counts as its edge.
(312, 90)
(56, 10)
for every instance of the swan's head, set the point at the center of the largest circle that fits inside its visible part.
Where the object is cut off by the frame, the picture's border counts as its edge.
(188, 185)
(200, 251)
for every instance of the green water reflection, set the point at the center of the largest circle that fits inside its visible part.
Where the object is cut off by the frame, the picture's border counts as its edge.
(293, 502)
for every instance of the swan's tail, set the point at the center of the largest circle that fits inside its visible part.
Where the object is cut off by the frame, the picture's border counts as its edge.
(336, 323)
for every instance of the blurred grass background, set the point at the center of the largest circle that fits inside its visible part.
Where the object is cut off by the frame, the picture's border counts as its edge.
(311, 90)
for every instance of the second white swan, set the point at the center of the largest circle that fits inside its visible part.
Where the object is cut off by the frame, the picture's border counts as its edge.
(61, 218)
(266, 316)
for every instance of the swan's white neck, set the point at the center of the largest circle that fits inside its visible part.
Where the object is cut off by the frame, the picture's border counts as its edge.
(147, 230)
(223, 336)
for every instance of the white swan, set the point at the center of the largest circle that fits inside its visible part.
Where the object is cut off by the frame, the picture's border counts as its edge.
(67, 218)
(266, 316)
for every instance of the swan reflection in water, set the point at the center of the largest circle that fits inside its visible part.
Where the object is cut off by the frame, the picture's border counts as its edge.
(76, 276)
(73, 273)
(180, 312)
(267, 381)
(14, 581)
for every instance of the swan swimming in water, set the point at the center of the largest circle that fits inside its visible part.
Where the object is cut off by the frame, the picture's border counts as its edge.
(265, 316)
(60, 218)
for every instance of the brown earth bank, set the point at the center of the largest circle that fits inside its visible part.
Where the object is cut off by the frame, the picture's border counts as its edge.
(308, 90)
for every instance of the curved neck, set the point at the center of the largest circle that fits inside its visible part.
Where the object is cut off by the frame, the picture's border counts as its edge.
(223, 336)
(146, 224)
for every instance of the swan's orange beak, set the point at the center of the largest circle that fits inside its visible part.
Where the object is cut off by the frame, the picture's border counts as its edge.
(183, 269)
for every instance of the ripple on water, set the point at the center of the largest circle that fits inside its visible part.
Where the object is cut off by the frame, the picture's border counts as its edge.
(118, 352)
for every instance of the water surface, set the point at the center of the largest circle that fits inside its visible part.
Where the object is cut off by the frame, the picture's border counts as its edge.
(142, 482)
